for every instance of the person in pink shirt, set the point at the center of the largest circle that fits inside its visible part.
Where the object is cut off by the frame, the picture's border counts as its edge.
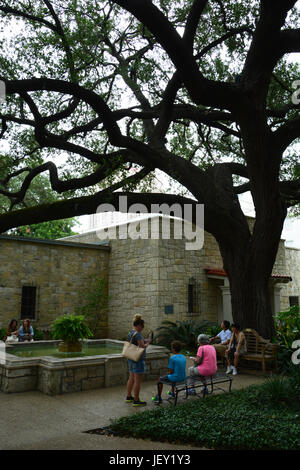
(205, 363)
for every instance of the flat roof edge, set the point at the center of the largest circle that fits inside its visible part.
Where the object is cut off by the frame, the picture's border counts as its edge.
(43, 241)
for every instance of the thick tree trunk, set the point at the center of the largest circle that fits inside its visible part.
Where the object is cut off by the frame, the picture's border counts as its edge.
(251, 303)
(250, 258)
(248, 262)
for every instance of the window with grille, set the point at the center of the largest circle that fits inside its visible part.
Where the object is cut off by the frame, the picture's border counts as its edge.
(28, 302)
(193, 296)
(294, 300)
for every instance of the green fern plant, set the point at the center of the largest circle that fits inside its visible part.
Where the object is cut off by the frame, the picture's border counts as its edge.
(70, 328)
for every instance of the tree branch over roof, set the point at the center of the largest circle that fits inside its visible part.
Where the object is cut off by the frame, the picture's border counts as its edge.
(183, 122)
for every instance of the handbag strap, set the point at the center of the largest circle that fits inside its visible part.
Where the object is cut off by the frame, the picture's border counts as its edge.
(132, 337)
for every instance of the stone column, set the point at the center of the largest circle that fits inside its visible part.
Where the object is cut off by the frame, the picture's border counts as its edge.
(226, 296)
(276, 290)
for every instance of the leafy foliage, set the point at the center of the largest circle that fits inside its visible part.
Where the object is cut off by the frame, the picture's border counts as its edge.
(94, 302)
(185, 331)
(252, 421)
(70, 328)
(2, 333)
(48, 230)
(104, 48)
(288, 326)
(38, 334)
(102, 94)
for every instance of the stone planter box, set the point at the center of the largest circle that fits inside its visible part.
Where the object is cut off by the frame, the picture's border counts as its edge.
(54, 376)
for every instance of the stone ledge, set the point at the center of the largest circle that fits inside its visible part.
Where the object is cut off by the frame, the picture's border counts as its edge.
(54, 376)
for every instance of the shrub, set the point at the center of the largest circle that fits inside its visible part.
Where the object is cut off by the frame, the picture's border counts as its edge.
(287, 325)
(94, 302)
(236, 420)
(70, 328)
(2, 333)
(294, 378)
(38, 334)
(213, 330)
(277, 389)
(284, 356)
(185, 331)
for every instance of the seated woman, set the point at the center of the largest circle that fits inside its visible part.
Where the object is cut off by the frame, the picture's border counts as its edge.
(205, 363)
(26, 332)
(12, 332)
(236, 348)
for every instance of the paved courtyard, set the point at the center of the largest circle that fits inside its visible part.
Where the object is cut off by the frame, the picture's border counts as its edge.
(35, 421)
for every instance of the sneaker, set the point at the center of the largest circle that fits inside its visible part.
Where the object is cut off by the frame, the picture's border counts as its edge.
(191, 391)
(229, 369)
(234, 371)
(129, 399)
(157, 400)
(171, 394)
(139, 403)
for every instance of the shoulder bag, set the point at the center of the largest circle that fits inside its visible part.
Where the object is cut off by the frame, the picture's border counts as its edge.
(131, 351)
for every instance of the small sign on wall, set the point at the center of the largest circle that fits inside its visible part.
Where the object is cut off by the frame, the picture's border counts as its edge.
(169, 309)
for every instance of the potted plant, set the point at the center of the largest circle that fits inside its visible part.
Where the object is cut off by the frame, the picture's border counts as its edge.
(70, 329)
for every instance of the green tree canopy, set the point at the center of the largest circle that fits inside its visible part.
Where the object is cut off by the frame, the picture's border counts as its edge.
(102, 93)
(48, 230)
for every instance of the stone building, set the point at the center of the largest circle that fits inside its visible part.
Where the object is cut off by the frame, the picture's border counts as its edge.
(156, 277)
(42, 279)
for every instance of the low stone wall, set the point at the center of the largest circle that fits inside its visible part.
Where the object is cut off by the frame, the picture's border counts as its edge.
(54, 376)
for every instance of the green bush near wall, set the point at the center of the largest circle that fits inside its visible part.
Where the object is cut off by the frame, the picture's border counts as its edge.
(2, 333)
(287, 328)
(185, 331)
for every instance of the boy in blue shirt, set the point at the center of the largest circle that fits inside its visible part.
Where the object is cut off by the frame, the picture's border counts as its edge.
(177, 366)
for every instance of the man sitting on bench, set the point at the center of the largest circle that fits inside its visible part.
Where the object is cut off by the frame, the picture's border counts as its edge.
(222, 339)
(205, 364)
(177, 366)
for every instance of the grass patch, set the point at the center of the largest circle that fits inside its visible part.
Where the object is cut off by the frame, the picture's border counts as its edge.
(242, 419)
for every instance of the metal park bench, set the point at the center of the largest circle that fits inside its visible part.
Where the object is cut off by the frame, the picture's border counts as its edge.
(207, 386)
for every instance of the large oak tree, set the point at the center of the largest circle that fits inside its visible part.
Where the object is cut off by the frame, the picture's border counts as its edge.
(200, 89)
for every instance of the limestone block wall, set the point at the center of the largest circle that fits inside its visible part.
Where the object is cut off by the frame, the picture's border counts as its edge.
(59, 270)
(133, 285)
(280, 266)
(132, 282)
(151, 277)
(146, 275)
(176, 266)
(293, 269)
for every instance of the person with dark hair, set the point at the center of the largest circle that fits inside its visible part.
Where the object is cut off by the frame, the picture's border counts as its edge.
(222, 339)
(177, 372)
(236, 348)
(12, 331)
(26, 332)
(136, 369)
